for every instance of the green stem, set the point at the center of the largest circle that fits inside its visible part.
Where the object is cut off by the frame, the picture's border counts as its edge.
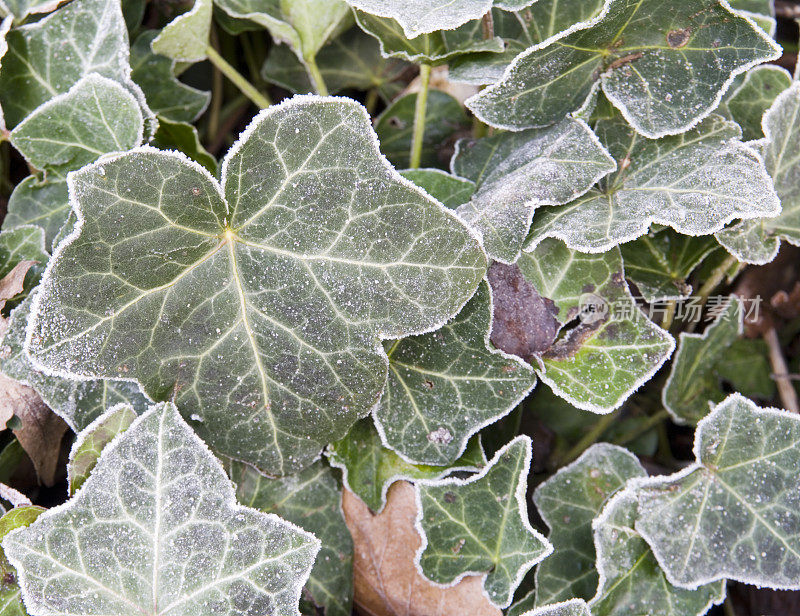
(316, 76)
(371, 101)
(715, 278)
(669, 314)
(645, 426)
(420, 112)
(589, 439)
(237, 79)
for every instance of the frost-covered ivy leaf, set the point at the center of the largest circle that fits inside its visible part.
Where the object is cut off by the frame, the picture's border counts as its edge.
(185, 38)
(92, 440)
(600, 362)
(41, 203)
(25, 243)
(418, 17)
(20, 9)
(568, 502)
(352, 60)
(76, 402)
(516, 172)
(95, 116)
(183, 137)
(660, 262)
(748, 103)
(480, 525)
(258, 304)
(693, 385)
(735, 512)
(444, 119)
(435, 48)
(573, 607)
(311, 499)
(445, 386)
(631, 581)
(369, 468)
(758, 241)
(696, 183)
(167, 97)
(664, 65)
(10, 599)
(156, 529)
(451, 190)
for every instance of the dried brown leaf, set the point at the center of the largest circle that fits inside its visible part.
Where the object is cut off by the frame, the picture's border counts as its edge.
(387, 582)
(12, 284)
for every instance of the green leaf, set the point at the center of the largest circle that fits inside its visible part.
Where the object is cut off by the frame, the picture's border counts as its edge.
(183, 137)
(631, 581)
(444, 118)
(435, 48)
(25, 243)
(94, 117)
(451, 190)
(696, 183)
(350, 61)
(257, 303)
(758, 241)
(445, 386)
(568, 502)
(311, 499)
(41, 203)
(745, 365)
(78, 402)
(573, 607)
(480, 525)
(92, 440)
(664, 65)
(169, 98)
(693, 386)
(748, 102)
(660, 262)
(10, 599)
(369, 468)
(517, 172)
(156, 529)
(418, 17)
(734, 513)
(185, 38)
(609, 354)
(20, 9)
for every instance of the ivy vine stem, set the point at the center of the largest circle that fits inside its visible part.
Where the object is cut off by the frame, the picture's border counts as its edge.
(420, 112)
(248, 89)
(316, 76)
(645, 426)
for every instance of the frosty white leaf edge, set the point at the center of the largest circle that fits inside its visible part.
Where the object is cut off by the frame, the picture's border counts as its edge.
(465, 441)
(572, 607)
(618, 103)
(167, 45)
(520, 494)
(418, 18)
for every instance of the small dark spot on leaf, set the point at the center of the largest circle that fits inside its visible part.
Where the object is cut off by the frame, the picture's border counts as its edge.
(428, 384)
(196, 192)
(449, 497)
(678, 38)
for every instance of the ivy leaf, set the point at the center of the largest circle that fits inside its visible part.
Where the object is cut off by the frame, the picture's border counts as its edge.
(514, 173)
(92, 440)
(169, 98)
(185, 38)
(10, 599)
(41, 203)
(425, 16)
(24, 243)
(756, 94)
(444, 117)
(609, 354)
(95, 116)
(758, 241)
(20, 9)
(311, 499)
(78, 403)
(696, 183)
(734, 513)
(631, 581)
(480, 525)
(445, 386)
(183, 137)
(660, 262)
(369, 469)
(156, 528)
(449, 189)
(573, 607)
(663, 65)
(693, 385)
(568, 502)
(188, 310)
(745, 365)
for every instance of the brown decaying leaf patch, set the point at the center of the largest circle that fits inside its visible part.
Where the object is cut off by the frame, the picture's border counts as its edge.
(386, 581)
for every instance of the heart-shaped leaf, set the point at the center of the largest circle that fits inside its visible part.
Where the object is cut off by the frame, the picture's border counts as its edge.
(192, 308)
(568, 502)
(369, 469)
(311, 499)
(664, 65)
(758, 241)
(514, 173)
(696, 183)
(156, 529)
(185, 38)
(735, 512)
(480, 525)
(754, 96)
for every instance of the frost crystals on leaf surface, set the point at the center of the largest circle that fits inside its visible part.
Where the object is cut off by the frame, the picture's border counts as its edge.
(573, 607)
(425, 16)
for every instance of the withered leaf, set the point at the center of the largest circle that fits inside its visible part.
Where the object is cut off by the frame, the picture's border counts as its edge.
(12, 284)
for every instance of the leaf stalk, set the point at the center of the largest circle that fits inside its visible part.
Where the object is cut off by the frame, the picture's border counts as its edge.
(420, 112)
(248, 89)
